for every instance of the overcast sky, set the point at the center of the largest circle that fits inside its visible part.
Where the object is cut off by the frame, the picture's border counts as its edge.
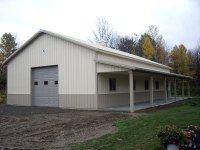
(177, 20)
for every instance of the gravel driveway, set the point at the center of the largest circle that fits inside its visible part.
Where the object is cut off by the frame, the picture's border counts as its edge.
(52, 128)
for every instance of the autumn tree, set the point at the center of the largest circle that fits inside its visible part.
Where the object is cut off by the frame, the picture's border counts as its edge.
(148, 49)
(191, 64)
(153, 33)
(179, 60)
(161, 53)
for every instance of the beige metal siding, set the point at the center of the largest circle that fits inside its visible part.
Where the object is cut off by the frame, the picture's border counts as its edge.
(158, 95)
(119, 97)
(108, 68)
(110, 100)
(122, 83)
(81, 101)
(128, 62)
(19, 99)
(76, 66)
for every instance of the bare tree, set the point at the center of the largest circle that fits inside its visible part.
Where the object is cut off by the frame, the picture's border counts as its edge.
(104, 33)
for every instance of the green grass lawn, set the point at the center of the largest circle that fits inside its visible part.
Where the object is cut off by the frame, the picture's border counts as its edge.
(141, 133)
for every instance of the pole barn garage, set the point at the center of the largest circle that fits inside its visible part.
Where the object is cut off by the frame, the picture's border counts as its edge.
(59, 71)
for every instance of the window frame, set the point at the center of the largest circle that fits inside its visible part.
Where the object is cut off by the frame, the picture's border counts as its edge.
(112, 84)
(134, 85)
(146, 84)
(157, 84)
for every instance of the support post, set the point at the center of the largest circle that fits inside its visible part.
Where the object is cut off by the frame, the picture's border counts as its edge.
(188, 88)
(169, 88)
(183, 89)
(131, 91)
(151, 91)
(175, 89)
(165, 89)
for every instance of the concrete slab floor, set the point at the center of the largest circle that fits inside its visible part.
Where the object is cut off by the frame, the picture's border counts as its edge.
(144, 105)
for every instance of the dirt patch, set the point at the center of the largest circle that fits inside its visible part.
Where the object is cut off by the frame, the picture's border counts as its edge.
(53, 128)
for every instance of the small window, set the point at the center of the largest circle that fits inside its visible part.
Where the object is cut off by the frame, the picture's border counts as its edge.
(134, 85)
(112, 84)
(55, 82)
(146, 84)
(45, 82)
(157, 85)
(35, 83)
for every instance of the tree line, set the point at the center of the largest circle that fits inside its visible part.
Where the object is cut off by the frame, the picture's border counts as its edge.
(151, 45)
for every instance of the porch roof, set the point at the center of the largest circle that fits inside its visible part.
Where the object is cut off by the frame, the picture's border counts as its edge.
(128, 67)
(162, 73)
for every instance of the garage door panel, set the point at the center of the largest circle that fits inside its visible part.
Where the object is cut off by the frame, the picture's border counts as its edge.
(45, 101)
(44, 92)
(45, 86)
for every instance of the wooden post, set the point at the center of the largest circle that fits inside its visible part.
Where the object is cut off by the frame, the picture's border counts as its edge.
(131, 91)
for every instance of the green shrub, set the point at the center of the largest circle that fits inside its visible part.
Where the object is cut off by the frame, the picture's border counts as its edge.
(195, 90)
(3, 96)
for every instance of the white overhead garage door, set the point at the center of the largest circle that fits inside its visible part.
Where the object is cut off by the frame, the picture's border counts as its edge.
(45, 86)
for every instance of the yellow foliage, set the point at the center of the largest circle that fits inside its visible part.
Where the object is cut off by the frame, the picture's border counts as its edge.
(148, 49)
(180, 62)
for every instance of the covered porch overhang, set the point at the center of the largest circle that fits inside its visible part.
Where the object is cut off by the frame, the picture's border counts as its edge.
(170, 81)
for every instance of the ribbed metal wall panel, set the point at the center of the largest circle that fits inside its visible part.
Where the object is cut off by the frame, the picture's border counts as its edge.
(108, 68)
(76, 66)
(122, 83)
(128, 62)
(119, 97)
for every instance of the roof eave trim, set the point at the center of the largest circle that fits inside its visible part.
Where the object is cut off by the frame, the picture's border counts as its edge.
(164, 73)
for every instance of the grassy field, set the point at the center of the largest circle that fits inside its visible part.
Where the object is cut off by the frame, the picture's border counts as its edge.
(141, 133)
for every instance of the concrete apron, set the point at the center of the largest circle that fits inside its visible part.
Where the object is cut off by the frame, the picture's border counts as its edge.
(144, 105)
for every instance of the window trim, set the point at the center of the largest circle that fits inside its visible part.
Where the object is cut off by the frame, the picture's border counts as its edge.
(112, 84)
(157, 84)
(146, 84)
